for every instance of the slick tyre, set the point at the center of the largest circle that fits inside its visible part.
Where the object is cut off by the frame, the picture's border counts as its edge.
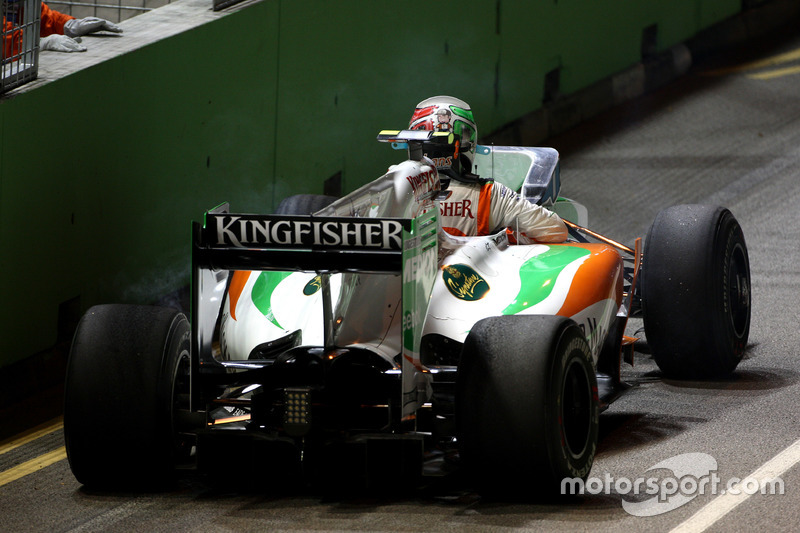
(304, 204)
(526, 405)
(125, 375)
(695, 283)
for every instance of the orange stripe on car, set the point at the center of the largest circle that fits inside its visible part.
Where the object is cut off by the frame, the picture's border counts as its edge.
(238, 281)
(454, 231)
(585, 290)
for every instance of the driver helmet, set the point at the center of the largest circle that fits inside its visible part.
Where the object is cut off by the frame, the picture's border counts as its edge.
(445, 113)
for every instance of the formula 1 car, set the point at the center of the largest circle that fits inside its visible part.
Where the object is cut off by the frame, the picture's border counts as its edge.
(352, 339)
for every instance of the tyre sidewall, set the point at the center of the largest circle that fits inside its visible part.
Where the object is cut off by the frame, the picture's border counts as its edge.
(509, 405)
(685, 301)
(119, 395)
(572, 354)
(732, 248)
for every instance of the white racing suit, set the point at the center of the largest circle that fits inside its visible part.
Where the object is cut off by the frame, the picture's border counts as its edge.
(486, 208)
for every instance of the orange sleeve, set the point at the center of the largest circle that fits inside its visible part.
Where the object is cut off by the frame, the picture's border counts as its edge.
(52, 21)
(11, 39)
(485, 208)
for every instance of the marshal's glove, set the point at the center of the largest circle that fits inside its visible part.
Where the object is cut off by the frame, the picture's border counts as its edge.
(85, 26)
(61, 43)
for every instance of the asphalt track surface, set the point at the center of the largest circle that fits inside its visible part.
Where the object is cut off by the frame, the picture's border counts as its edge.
(728, 133)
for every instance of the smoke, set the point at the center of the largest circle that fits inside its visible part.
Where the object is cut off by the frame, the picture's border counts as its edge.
(169, 287)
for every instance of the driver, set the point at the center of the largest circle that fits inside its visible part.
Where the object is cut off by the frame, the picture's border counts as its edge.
(473, 205)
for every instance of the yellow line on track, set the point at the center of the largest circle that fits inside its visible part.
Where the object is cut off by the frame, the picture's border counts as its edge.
(34, 465)
(31, 435)
(775, 73)
(768, 62)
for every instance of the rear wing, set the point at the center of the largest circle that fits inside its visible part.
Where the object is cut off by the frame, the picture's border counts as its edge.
(279, 242)
(325, 245)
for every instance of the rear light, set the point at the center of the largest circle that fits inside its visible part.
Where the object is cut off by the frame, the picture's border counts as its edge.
(297, 411)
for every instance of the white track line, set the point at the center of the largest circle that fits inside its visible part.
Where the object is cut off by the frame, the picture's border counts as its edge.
(723, 504)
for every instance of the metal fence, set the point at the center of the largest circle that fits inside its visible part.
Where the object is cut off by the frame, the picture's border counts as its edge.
(19, 54)
(115, 11)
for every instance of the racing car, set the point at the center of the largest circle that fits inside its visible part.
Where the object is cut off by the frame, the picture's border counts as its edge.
(352, 339)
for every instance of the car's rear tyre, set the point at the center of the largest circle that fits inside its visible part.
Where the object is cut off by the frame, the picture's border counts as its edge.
(526, 404)
(695, 283)
(304, 204)
(125, 376)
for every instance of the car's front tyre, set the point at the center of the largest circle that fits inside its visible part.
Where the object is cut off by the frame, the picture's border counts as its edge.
(695, 283)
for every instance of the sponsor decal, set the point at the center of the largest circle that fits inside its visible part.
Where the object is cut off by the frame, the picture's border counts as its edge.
(461, 208)
(423, 262)
(443, 162)
(313, 286)
(424, 184)
(253, 231)
(413, 319)
(593, 331)
(464, 283)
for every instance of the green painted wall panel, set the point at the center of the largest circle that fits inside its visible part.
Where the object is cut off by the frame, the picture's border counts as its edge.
(357, 71)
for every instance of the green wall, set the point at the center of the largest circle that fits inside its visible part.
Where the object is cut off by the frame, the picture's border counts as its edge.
(102, 171)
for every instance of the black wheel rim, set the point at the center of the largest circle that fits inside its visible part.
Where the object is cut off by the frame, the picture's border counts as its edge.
(576, 409)
(738, 291)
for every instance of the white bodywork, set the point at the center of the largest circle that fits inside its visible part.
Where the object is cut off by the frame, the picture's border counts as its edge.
(367, 307)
